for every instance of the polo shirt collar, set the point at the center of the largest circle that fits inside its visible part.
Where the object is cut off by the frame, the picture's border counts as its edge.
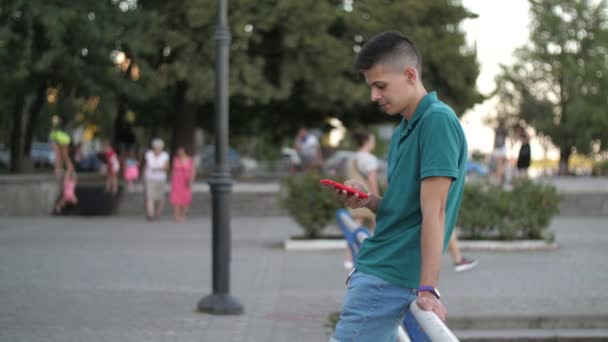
(426, 102)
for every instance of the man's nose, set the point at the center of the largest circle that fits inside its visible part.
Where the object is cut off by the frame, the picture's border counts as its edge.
(375, 95)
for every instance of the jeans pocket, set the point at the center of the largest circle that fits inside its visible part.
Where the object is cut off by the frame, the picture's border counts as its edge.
(351, 279)
(398, 320)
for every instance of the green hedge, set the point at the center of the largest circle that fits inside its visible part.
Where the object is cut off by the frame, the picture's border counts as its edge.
(311, 205)
(521, 213)
(487, 212)
(600, 168)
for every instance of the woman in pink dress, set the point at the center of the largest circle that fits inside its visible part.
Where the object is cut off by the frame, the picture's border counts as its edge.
(182, 177)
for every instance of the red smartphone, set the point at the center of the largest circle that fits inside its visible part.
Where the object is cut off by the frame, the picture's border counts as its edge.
(340, 186)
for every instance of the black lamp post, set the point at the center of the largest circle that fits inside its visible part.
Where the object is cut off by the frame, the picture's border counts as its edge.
(220, 302)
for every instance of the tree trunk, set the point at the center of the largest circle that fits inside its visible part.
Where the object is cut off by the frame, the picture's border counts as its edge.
(34, 115)
(26, 111)
(17, 134)
(564, 157)
(123, 105)
(184, 119)
(120, 120)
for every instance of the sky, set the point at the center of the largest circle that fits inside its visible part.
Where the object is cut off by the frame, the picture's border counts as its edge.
(502, 26)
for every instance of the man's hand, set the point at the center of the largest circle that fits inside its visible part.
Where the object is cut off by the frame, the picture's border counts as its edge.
(428, 302)
(353, 201)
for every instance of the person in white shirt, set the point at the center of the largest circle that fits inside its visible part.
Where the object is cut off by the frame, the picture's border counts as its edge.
(155, 175)
(363, 166)
(309, 150)
(499, 155)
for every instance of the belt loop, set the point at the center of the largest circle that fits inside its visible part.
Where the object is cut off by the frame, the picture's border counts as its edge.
(350, 275)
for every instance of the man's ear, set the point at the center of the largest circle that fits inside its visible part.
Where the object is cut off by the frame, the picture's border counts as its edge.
(411, 74)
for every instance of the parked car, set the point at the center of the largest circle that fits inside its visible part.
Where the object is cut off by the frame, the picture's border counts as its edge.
(207, 163)
(5, 156)
(41, 154)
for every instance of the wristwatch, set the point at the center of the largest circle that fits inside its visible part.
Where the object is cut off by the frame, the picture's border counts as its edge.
(433, 290)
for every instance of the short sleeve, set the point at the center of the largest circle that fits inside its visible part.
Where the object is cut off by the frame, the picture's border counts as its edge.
(440, 143)
(366, 162)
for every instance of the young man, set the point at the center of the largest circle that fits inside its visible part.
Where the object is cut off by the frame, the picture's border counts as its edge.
(415, 218)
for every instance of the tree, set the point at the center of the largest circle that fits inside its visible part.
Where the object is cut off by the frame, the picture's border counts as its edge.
(290, 62)
(171, 43)
(305, 52)
(50, 48)
(557, 81)
(19, 34)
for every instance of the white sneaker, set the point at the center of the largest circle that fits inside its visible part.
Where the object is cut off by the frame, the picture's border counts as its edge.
(465, 264)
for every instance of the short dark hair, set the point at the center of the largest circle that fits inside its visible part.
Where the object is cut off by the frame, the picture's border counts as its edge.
(361, 137)
(388, 48)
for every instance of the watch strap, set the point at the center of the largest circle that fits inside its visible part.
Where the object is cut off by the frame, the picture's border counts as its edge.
(431, 289)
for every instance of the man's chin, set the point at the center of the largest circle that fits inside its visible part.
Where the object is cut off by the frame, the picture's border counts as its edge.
(385, 109)
(391, 112)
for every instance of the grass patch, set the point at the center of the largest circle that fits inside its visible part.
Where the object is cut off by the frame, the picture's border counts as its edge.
(332, 320)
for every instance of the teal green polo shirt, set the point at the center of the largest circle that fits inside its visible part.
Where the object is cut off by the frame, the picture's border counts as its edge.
(432, 143)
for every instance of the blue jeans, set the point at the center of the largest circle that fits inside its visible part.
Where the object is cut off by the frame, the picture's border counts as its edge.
(372, 311)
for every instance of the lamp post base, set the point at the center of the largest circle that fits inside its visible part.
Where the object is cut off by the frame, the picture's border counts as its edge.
(220, 304)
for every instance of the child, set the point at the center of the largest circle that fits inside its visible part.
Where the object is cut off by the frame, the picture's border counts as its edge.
(61, 146)
(131, 173)
(112, 167)
(68, 191)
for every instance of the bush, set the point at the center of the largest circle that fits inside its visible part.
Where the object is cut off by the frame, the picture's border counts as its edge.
(311, 205)
(524, 212)
(600, 168)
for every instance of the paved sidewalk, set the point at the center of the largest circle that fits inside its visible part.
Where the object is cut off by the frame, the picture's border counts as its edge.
(563, 185)
(123, 279)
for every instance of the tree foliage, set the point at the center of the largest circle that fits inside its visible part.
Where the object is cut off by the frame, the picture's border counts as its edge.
(301, 55)
(53, 58)
(557, 83)
(290, 62)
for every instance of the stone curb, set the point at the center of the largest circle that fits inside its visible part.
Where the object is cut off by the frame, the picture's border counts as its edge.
(529, 323)
(536, 335)
(315, 245)
(508, 246)
(497, 246)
